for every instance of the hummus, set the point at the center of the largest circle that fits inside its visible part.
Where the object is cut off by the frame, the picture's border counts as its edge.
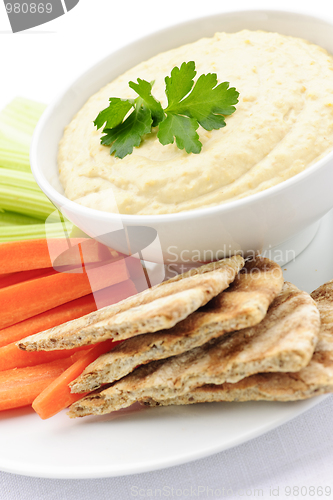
(282, 124)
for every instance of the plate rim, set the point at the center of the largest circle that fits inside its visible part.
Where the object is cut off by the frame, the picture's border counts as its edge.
(79, 472)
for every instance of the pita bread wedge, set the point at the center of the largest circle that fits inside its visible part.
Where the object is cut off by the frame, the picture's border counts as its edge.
(316, 378)
(159, 307)
(283, 341)
(243, 304)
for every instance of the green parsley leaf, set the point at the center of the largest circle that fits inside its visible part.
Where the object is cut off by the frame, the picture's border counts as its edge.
(121, 135)
(143, 89)
(184, 130)
(180, 83)
(115, 113)
(127, 135)
(190, 104)
(207, 102)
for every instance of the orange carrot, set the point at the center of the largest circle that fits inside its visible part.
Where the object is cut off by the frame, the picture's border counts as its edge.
(40, 253)
(12, 356)
(14, 278)
(67, 312)
(48, 319)
(24, 300)
(20, 387)
(57, 395)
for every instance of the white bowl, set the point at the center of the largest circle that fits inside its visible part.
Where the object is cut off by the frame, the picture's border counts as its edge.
(281, 220)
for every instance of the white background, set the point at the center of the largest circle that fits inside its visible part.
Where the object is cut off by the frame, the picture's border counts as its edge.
(38, 63)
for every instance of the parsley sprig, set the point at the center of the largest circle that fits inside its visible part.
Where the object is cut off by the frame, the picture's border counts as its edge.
(190, 104)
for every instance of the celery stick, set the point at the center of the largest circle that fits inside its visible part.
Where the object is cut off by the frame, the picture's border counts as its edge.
(26, 207)
(19, 192)
(13, 219)
(14, 159)
(19, 119)
(11, 144)
(31, 203)
(29, 111)
(24, 180)
(33, 231)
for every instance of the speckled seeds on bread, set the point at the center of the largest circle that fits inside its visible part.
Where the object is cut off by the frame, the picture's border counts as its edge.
(283, 341)
(243, 304)
(159, 307)
(316, 378)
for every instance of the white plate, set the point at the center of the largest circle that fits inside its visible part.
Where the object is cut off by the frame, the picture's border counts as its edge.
(143, 439)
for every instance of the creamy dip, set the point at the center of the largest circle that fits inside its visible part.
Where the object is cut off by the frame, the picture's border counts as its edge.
(283, 123)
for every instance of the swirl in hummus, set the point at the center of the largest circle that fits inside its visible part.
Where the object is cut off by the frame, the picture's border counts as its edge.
(283, 123)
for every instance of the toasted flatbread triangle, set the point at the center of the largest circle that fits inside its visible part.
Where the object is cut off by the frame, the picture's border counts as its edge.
(159, 307)
(243, 304)
(283, 341)
(316, 378)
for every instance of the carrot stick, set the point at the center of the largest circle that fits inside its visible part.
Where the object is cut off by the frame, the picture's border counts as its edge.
(67, 312)
(19, 387)
(10, 279)
(48, 319)
(12, 356)
(24, 300)
(57, 395)
(14, 278)
(40, 253)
